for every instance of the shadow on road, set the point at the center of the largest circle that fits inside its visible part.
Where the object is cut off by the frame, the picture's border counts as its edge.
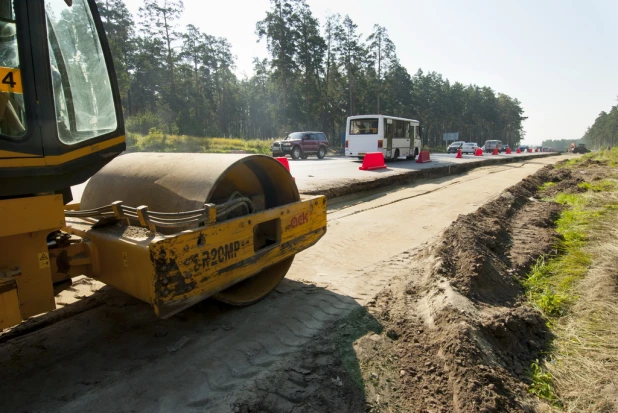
(116, 355)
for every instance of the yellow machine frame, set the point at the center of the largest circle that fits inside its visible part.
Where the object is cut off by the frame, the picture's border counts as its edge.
(171, 272)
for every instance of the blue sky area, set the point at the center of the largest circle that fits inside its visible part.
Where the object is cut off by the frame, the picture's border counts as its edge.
(559, 58)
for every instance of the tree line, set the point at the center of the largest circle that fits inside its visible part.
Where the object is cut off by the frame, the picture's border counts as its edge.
(604, 130)
(602, 134)
(182, 81)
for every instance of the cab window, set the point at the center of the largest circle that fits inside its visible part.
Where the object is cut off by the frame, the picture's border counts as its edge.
(12, 108)
(81, 84)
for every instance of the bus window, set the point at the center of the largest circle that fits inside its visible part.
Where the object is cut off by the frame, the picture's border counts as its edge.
(389, 129)
(399, 129)
(364, 126)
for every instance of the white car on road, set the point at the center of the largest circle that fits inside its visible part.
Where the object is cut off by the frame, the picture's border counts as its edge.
(469, 147)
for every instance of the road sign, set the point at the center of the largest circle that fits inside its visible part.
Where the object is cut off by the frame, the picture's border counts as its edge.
(452, 136)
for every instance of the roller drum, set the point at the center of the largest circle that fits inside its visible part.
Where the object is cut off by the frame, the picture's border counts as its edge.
(177, 182)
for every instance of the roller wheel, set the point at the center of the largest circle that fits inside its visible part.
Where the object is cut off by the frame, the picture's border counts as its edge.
(321, 152)
(257, 287)
(296, 152)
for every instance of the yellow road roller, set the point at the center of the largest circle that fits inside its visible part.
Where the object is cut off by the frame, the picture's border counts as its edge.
(168, 228)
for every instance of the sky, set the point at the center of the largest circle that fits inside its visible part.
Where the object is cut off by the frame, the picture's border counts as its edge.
(558, 58)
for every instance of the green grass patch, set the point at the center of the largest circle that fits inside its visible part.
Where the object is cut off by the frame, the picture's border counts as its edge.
(552, 284)
(547, 185)
(542, 385)
(157, 141)
(606, 185)
(549, 284)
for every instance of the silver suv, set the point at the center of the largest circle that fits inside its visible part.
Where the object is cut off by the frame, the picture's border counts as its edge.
(491, 145)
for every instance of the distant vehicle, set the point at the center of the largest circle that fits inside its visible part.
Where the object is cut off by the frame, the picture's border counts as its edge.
(581, 148)
(301, 145)
(523, 148)
(454, 147)
(394, 137)
(469, 147)
(491, 145)
(505, 146)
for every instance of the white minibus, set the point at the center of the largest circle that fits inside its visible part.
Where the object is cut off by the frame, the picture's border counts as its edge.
(394, 137)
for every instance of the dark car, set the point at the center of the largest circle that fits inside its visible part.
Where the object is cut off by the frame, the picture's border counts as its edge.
(581, 148)
(301, 145)
(523, 148)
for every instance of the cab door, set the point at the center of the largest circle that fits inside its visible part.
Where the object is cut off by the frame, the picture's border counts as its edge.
(20, 136)
(67, 121)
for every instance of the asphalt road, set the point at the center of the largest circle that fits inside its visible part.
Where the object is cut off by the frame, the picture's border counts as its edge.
(313, 174)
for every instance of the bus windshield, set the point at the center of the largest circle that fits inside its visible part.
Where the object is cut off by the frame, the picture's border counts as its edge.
(364, 126)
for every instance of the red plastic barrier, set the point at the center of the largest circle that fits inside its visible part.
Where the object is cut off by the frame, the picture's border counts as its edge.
(495, 151)
(458, 154)
(518, 150)
(479, 152)
(508, 151)
(373, 160)
(284, 162)
(530, 150)
(423, 157)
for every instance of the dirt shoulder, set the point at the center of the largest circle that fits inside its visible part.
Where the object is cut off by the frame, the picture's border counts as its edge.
(455, 334)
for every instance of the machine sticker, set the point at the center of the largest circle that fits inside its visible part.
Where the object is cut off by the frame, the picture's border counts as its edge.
(220, 255)
(43, 260)
(11, 80)
(300, 219)
(125, 259)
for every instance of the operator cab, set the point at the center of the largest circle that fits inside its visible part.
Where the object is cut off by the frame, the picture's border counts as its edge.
(60, 113)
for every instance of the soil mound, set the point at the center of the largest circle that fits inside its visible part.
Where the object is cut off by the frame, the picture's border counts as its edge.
(454, 334)
(463, 336)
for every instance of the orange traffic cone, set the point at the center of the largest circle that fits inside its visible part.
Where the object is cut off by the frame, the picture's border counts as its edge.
(508, 151)
(479, 152)
(495, 151)
(459, 154)
(518, 150)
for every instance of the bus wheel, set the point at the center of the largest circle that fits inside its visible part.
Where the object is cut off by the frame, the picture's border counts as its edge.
(296, 153)
(396, 157)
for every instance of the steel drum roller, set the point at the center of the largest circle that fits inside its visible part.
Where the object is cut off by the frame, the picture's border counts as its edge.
(177, 182)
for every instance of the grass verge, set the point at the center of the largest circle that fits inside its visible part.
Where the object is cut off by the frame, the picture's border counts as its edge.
(157, 141)
(577, 290)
